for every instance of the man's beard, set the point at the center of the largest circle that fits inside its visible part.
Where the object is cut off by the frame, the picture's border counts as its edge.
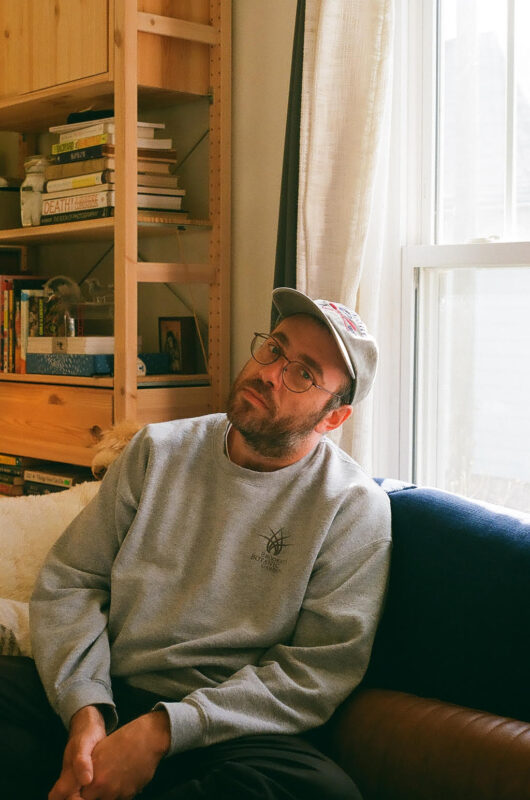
(272, 436)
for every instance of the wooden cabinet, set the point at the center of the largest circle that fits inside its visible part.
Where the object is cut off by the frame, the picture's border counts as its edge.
(51, 42)
(66, 55)
(48, 421)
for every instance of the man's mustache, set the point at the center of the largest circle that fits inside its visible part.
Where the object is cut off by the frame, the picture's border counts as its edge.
(261, 388)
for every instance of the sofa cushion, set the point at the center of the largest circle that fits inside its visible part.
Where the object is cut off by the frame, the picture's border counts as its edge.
(456, 623)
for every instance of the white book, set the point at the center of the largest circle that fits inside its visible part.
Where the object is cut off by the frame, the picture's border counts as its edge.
(159, 201)
(161, 190)
(79, 141)
(150, 179)
(90, 123)
(61, 205)
(105, 197)
(74, 345)
(102, 127)
(71, 192)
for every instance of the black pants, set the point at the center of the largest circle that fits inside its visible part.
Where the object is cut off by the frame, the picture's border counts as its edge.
(270, 767)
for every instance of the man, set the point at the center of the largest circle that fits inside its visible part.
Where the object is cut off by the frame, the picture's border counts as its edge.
(219, 597)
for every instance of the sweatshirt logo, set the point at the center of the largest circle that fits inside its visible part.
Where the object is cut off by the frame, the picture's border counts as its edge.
(275, 542)
(269, 558)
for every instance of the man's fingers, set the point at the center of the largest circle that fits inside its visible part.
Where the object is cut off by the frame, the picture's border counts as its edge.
(82, 767)
(64, 790)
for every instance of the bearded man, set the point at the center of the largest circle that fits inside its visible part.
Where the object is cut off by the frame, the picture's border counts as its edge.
(219, 597)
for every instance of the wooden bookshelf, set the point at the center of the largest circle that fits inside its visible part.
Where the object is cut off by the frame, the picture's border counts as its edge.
(128, 55)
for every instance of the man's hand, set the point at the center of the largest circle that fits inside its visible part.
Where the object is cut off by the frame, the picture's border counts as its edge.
(125, 761)
(87, 728)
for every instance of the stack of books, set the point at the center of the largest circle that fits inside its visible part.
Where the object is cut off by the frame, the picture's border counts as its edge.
(12, 475)
(80, 179)
(47, 478)
(20, 475)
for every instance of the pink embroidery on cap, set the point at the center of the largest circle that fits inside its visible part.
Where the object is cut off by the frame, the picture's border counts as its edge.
(346, 316)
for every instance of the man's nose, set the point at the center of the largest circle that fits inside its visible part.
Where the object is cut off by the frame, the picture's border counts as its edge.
(273, 373)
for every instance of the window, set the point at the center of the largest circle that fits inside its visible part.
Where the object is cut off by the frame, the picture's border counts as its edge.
(470, 277)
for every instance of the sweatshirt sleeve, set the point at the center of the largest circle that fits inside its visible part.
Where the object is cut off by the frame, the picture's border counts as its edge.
(70, 601)
(297, 686)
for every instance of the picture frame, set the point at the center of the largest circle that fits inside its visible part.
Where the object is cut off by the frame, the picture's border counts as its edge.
(179, 339)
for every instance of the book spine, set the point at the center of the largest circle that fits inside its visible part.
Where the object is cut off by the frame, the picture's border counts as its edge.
(98, 151)
(80, 144)
(11, 479)
(13, 461)
(83, 132)
(11, 491)
(31, 488)
(11, 330)
(1, 324)
(53, 479)
(10, 471)
(159, 202)
(17, 338)
(5, 332)
(41, 309)
(77, 168)
(76, 182)
(24, 327)
(77, 216)
(144, 131)
(82, 202)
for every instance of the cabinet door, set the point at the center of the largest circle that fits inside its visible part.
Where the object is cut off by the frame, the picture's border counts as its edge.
(51, 42)
(60, 423)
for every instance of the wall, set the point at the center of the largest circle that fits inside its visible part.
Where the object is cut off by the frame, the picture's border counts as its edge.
(262, 45)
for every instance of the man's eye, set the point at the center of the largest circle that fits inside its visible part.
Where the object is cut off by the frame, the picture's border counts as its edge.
(274, 349)
(304, 374)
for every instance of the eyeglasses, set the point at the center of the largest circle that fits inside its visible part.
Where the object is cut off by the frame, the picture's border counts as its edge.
(295, 376)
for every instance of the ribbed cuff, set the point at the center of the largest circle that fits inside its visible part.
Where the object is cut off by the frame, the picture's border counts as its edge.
(187, 730)
(90, 693)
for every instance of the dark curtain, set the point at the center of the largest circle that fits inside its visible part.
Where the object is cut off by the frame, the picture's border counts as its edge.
(285, 266)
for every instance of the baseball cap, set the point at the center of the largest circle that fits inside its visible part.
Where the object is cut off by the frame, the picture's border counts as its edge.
(357, 347)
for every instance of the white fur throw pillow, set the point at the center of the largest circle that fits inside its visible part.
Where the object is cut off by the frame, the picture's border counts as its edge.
(29, 526)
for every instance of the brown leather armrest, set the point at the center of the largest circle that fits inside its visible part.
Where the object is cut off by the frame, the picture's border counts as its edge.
(398, 746)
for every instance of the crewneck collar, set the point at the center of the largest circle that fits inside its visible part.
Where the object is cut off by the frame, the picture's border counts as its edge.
(253, 475)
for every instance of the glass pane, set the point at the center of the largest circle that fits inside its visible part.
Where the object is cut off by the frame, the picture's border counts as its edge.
(471, 168)
(522, 121)
(472, 412)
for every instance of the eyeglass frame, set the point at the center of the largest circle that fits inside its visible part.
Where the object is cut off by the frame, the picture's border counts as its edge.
(281, 354)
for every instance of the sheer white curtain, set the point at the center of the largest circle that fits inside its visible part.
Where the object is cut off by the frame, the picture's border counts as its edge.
(347, 60)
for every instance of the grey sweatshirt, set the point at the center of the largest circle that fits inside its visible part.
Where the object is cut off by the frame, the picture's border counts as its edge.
(249, 598)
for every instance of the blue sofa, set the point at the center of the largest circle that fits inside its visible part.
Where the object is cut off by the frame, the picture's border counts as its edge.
(444, 710)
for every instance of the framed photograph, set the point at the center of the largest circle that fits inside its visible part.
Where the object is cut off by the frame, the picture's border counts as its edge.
(179, 339)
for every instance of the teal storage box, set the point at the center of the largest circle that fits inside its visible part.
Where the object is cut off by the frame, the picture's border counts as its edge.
(85, 365)
(68, 364)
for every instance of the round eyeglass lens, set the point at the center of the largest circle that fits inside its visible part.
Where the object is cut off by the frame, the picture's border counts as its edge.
(296, 377)
(264, 349)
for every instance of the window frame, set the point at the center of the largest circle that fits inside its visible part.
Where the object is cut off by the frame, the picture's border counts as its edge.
(420, 250)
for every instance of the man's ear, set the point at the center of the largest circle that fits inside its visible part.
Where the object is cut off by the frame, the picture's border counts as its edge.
(334, 419)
